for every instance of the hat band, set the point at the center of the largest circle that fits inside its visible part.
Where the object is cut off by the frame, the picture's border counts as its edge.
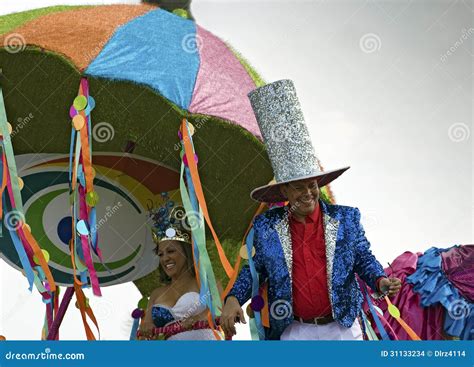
(282, 176)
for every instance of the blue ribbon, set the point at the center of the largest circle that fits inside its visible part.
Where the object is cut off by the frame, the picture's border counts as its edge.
(71, 152)
(206, 276)
(93, 228)
(133, 332)
(255, 282)
(204, 291)
(83, 276)
(380, 327)
(368, 329)
(25, 262)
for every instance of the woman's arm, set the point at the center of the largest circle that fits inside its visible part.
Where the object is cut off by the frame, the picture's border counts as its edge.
(189, 321)
(147, 324)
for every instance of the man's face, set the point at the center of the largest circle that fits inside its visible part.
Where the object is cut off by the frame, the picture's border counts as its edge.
(303, 196)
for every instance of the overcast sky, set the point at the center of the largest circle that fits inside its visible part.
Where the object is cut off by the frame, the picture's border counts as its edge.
(386, 87)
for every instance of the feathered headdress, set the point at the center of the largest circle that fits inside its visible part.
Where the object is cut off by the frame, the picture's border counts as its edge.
(169, 222)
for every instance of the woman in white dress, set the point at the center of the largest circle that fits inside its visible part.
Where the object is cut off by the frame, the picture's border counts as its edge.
(176, 304)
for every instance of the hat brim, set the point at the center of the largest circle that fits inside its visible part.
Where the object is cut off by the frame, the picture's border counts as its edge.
(271, 193)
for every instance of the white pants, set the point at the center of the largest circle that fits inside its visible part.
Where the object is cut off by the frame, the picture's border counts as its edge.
(332, 331)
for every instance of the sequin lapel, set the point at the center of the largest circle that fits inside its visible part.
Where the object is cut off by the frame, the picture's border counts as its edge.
(283, 230)
(331, 227)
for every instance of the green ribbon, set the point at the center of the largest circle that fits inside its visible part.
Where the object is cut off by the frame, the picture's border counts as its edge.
(199, 236)
(77, 261)
(7, 143)
(253, 329)
(371, 335)
(39, 284)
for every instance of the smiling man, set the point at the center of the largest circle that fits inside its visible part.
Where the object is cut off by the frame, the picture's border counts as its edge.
(308, 251)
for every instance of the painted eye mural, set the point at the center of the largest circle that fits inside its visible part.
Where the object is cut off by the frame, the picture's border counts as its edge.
(126, 186)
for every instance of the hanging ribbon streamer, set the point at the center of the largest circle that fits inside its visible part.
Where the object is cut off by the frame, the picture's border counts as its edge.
(83, 197)
(133, 332)
(395, 313)
(193, 179)
(370, 332)
(83, 200)
(33, 259)
(54, 329)
(7, 149)
(39, 258)
(85, 241)
(50, 314)
(196, 211)
(375, 316)
(192, 165)
(198, 235)
(24, 259)
(386, 324)
(206, 278)
(233, 278)
(85, 310)
(3, 177)
(12, 213)
(81, 300)
(56, 309)
(208, 285)
(257, 302)
(253, 329)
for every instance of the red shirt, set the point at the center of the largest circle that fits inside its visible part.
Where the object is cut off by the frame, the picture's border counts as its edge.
(310, 286)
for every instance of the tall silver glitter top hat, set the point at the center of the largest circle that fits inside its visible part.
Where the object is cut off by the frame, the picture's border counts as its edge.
(287, 140)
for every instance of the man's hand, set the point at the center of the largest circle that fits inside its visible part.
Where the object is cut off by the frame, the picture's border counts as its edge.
(393, 286)
(231, 313)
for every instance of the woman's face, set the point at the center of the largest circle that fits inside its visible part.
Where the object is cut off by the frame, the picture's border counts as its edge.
(172, 258)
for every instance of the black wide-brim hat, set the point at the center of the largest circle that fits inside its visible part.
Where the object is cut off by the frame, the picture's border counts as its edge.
(271, 193)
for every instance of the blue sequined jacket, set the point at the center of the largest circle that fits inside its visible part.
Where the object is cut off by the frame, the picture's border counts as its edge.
(347, 253)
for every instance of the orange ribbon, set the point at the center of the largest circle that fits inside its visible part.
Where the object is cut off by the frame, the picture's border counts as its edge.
(4, 182)
(402, 323)
(265, 311)
(211, 325)
(81, 301)
(200, 196)
(85, 151)
(232, 280)
(39, 256)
